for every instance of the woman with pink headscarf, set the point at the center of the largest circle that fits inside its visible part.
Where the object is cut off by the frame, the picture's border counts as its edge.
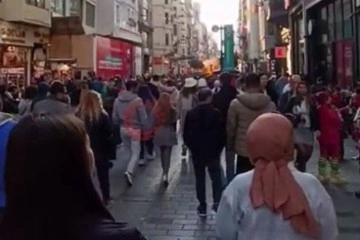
(275, 201)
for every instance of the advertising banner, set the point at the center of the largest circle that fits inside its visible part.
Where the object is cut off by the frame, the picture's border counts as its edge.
(113, 58)
(228, 60)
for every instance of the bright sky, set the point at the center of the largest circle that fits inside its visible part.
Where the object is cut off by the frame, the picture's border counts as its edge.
(219, 12)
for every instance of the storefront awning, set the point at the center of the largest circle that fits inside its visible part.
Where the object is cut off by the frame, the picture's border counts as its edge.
(66, 26)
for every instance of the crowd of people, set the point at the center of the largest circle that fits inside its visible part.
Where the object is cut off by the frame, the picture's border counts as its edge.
(55, 135)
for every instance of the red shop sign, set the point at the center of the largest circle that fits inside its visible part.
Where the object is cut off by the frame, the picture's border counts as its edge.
(113, 58)
(280, 52)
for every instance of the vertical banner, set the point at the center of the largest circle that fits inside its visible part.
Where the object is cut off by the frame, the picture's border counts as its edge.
(228, 60)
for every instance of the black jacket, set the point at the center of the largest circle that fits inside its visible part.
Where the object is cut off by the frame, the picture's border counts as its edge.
(223, 98)
(204, 132)
(154, 90)
(100, 134)
(296, 101)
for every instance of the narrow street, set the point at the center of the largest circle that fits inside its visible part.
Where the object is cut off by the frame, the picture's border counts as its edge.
(169, 213)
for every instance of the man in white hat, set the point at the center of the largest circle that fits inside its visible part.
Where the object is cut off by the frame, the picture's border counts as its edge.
(187, 101)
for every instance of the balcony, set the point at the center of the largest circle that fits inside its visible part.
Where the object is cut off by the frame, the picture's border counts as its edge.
(22, 12)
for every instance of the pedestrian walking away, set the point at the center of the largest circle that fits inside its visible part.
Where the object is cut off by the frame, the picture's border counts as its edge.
(204, 136)
(99, 129)
(165, 133)
(295, 203)
(222, 101)
(130, 113)
(244, 109)
(60, 196)
(187, 101)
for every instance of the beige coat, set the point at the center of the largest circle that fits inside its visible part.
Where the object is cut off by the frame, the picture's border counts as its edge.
(244, 109)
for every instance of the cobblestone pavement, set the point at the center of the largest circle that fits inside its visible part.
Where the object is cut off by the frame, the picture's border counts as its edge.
(169, 213)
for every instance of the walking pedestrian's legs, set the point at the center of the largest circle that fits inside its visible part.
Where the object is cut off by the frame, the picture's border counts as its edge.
(243, 164)
(214, 170)
(199, 169)
(131, 139)
(102, 168)
(135, 154)
(165, 161)
(230, 165)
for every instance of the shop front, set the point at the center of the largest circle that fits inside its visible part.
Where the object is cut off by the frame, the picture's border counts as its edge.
(23, 53)
(114, 57)
(330, 41)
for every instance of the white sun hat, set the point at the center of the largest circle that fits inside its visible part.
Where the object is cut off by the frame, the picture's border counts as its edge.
(202, 83)
(190, 82)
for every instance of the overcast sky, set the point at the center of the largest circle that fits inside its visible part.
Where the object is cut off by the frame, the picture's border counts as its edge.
(219, 12)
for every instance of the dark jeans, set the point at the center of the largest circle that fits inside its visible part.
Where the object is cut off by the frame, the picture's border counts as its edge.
(102, 168)
(1, 214)
(304, 152)
(214, 170)
(146, 146)
(243, 165)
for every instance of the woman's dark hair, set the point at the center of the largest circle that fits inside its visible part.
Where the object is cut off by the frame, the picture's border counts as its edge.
(30, 92)
(302, 83)
(48, 185)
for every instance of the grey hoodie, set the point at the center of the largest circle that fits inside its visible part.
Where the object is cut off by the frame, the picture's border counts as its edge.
(129, 111)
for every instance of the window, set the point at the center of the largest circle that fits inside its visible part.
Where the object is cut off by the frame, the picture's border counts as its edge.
(90, 15)
(167, 39)
(166, 18)
(117, 13)
(331, 23)
(58, 6)
(76, 8)
(338, 20)
(175, 30)
(36, 3)
(166, 1)
(145, 13)
(347, 6)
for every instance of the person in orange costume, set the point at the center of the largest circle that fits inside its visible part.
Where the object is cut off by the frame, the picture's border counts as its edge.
(330, 122)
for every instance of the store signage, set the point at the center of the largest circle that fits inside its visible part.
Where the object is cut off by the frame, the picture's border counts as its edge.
(21, 35)
(280, 52)
(113, 58)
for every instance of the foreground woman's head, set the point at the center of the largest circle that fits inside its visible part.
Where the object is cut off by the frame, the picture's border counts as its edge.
(48, 179)
(270, 147)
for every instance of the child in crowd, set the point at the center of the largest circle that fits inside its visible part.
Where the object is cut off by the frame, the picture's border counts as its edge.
(330, 122)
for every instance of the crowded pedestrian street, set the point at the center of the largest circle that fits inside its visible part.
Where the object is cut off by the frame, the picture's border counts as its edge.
(169, 213)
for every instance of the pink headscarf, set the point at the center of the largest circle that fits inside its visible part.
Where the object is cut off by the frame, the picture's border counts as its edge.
(270, 147)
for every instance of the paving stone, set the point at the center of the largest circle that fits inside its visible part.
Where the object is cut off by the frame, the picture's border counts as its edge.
(170, 213)
(170, 226)
(182, 233)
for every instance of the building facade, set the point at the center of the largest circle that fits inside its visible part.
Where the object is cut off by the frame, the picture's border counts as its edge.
(326, 40)
(162, 35)
(24, 40)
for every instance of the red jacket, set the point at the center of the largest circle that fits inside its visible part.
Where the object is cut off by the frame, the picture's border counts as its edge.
(330, 125)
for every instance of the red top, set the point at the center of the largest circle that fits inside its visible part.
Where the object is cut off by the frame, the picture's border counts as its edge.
(330, 125)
